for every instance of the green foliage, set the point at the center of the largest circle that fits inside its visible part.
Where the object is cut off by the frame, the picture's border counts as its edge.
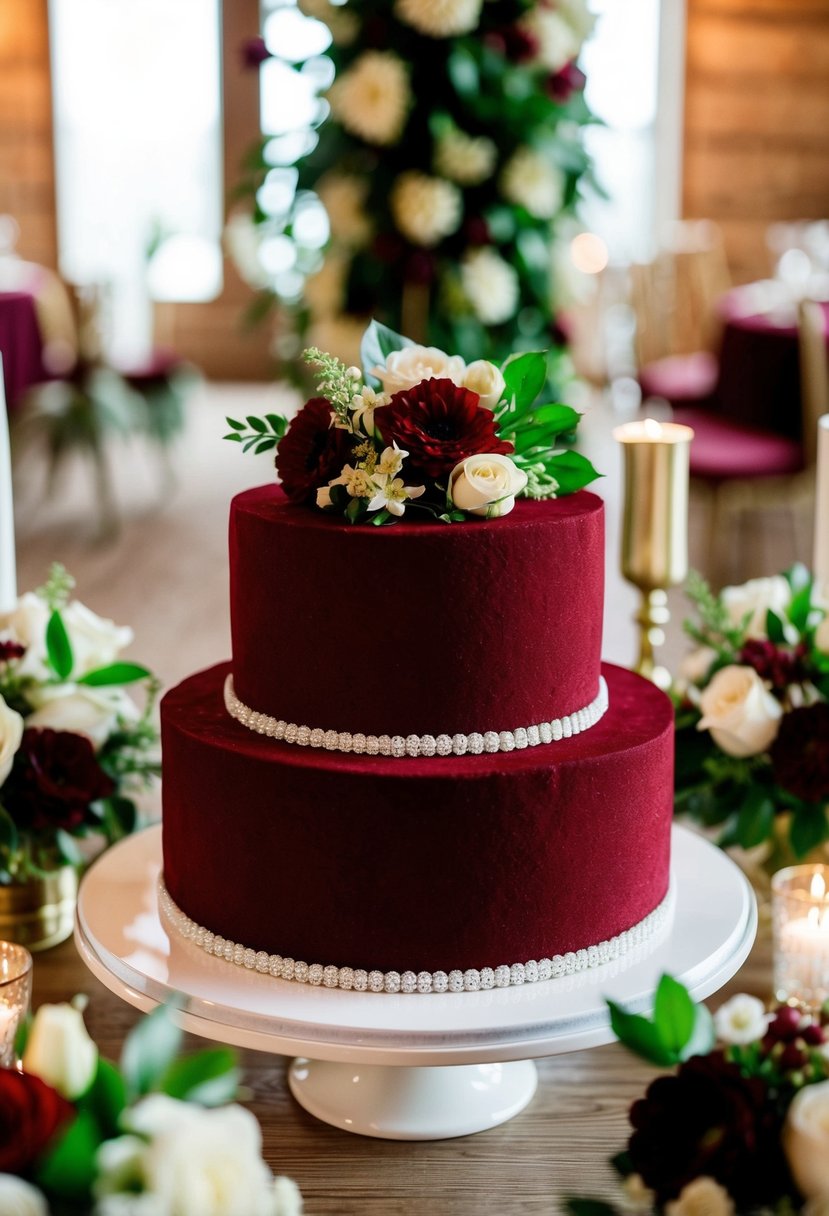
(115, 673)
(378, 343)
(58, 647)
(68, 1169)
(678, 1030)
(149, 1050)
(261, 434)
(57, 588)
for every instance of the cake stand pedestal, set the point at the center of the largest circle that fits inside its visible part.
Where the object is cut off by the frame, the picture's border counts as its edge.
(406, 1067)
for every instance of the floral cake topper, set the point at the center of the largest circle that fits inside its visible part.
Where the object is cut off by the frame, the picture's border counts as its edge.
(419, 429)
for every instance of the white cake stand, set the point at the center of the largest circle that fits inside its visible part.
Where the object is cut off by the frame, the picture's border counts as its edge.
(406, 1067)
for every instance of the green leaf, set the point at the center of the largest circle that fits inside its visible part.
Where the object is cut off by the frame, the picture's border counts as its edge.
(808, 829)
(234, 424)
(278, 424)
(58, 647)
(68, 1169)
(572, 471)
(120, 817)
(639, 1035)
(673, 1014)
(257, 424)
(774, 628)
(106, 1097)
(265, 445)
(8, 831)
(381, 518)
(703, 1035)
(355, 510)
(755, 818)
(149, 1049)
(209, 1077)
(233, 437)
(525, 376)
(798, 612)
(250, 443)
(557, 419)
(115, 673)
(378, 342)
(68, 848)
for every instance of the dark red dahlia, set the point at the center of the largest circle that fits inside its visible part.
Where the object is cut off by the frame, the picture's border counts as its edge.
(520, 45)
(800, 753)
(254, 53)
(779, 667)
(438, 424)
(708, 1119)
(30, 1114)
(568, 80)
(55, 777)
(312, 452)
(11, 650)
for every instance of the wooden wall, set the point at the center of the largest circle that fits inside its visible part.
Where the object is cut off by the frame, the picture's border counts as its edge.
(756, 120)
(27, 180)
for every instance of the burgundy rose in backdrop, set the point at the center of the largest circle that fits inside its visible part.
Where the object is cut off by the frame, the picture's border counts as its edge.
(56, 776)
(30, 1114)
(312, 451)
(800, 753)
(439, 424)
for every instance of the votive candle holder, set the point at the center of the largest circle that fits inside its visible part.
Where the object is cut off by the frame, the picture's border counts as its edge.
(800, 919)
(15, 996)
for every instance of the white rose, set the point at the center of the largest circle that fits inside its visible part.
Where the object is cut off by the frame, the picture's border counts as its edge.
(425, 209)
(806, 1140)
(60, 1051)
(557, 41)
(486, 485)
(26, 623)
(532, 182)
(371, 99)
(822, 635)
(696, 665)
(465, 159)
(406, 368)
(741, 1020)
(754, 599)
(439, 18)
(11, 732)
(741, 714)
(94, 712)
(490, 285)
(96, 641)
(702, 1197)
(197, 1162)
(485, 379)
(19, 1198)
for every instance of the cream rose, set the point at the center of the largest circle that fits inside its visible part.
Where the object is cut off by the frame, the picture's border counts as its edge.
(754, 599)
(743, 1019)
(11, 732)
(94, 712)
(486, 485)
(702, 1197)
(372, 97)
(406, 368)
(60, 1051)
(822, 635)
(26, 624)
(485, 379)
(741, 714)
(696, 665)
(96, 641)
(20, 1198)
(806, 1140)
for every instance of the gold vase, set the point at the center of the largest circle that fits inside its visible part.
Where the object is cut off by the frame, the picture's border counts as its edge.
(39, 912)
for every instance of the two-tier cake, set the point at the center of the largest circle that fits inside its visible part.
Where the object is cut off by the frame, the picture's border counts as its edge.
(415, 774)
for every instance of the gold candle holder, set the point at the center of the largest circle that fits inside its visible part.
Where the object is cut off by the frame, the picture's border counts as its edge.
(15, 995)
(654, 527)
(800, 925)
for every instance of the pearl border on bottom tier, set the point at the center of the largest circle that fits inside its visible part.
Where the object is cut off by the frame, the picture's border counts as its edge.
(418, 745)
(359, 980)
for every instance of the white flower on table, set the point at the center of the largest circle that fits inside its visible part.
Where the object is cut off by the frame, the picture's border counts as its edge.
(702, 1197)
(425, 209)
(741, 1020)
(372, 97)
(94, 712)
(20, 1198)
(60, 1051)
(754, 599)
(392, 495)
(408, 367)
(486, 485)
(194, 1162)
(485, 379)
(11, 732)
(806, 1140)
(741, 714)
(96, 641)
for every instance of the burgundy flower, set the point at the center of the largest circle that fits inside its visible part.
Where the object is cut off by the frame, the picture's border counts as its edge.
(779, 667)
(30, 1114)
(800, 753)
(438, 424)
(55, 777)
(476, 230)
(311, 452)
(708, 1119)
(568, 80)
(11, 650)
(255, 53)
(519, 44)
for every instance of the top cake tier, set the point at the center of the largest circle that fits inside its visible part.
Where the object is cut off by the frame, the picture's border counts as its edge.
(421, 628)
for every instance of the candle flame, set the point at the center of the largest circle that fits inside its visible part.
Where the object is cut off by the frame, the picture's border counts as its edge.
(818, 888)
(652, 428)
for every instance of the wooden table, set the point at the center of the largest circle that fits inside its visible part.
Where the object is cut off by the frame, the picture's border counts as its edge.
(558, 1146)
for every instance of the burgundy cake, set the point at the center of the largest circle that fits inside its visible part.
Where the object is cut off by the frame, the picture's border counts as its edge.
(415, 774)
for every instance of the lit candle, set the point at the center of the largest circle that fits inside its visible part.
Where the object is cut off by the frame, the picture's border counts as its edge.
(15, 994)
(8, 1030)
(8, 569)
(801, 934)
(820, 564)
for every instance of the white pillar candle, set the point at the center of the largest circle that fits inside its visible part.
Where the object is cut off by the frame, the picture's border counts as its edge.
(820, 564)
(800, 906)
(8, 566)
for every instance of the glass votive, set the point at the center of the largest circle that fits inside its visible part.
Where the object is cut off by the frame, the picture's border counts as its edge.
(800, 916)
(15, 995)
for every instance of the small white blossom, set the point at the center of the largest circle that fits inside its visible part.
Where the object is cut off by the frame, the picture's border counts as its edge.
(425, 209)
(491, 286)
(741, 1020)
(356, 481)
(702, 1197)
(371, 99)
(391, 461)
(363, 405)
(19, 1198)
(392, 495)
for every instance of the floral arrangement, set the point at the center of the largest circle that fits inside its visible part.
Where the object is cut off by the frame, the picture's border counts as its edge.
(740, 1126)
(752, 724)
(74, 745)
(445, 144)
(421, 429)
(156, 1136)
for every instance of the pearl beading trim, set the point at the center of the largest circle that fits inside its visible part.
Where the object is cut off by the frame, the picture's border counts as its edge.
(418, 745)
(358, 980)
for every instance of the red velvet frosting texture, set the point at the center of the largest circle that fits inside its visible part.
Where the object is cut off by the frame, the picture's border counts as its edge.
(418, 628)
(418, 864)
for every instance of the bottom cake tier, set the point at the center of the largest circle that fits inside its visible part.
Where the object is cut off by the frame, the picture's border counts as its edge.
(411, 866)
